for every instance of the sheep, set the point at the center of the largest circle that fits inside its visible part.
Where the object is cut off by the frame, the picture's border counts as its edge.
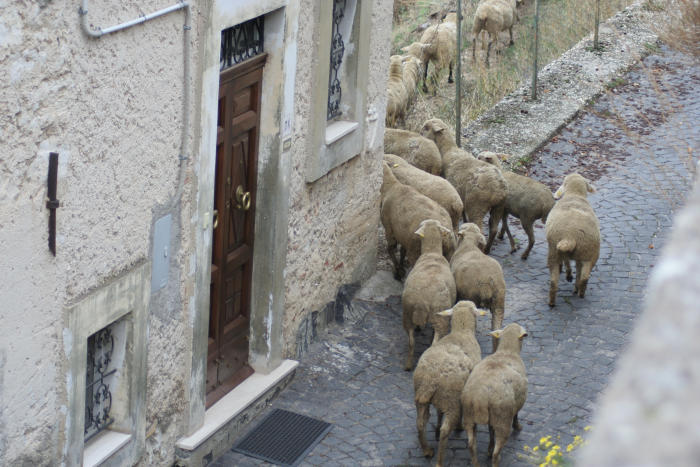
(438, 44)
(412, 67)
(403, 208)
(493, 16)
(441, 373)
(415, 149)
(397, 96)
(436, 188)
(430, 287)
(478, 277)
(573, 233)
(480, 185)
(527, 199)
(495, 392)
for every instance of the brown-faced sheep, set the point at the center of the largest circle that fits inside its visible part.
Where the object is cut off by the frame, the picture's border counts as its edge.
(436, 188)
(527, 199)
(403, 208)
(478, 277)
(441, 373)
(438, 44)
(495, 392)
(430, 287)
(573, 233)
(414, 148)
(494, 16)
(397, 96)
(480, 185)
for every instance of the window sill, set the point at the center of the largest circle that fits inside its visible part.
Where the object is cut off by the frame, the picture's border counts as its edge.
(336, 130)
(102, 446)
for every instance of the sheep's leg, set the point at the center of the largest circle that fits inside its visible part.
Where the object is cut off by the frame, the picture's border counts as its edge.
(391, 244)
(569, 276)
(494, 220)
(516, 424)
(411, 346)
(470, 428)
(437, 428)
(449, 78)
(441, 326)
(527, 227)
(501, 435)
(402, 261)
(491, 441)
(488, 50)
(423, 413)
(578, 277)
(446, 428)
(425, 76)
(510, 30)
(586, 268)
(475, 215)
(513, 247)
(474, 48)
(554, 270)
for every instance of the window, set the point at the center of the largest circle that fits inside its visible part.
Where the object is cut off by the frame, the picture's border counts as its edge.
(106, 350)
(241, 42)
(341, 84)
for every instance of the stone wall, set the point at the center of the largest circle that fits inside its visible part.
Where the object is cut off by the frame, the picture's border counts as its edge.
(650, 414)
(333, 221)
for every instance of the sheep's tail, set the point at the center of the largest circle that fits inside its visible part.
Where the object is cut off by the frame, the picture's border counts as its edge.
(425, 392)
(566, 245)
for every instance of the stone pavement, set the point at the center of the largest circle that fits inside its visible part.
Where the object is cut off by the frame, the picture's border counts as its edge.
(353, 378)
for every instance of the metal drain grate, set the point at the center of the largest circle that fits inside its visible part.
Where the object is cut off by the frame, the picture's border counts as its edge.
(283, 437)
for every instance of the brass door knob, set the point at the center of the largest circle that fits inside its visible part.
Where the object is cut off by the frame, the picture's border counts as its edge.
(242, 198)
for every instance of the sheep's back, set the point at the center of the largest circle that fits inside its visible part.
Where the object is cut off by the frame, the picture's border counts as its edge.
(477, 181)
(478, 277)
(572, 218)
(527, 195)
(429, 288)
(442, 371)
(415, 149)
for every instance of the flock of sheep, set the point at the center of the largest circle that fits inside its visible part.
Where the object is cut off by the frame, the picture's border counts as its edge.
(430, 186)
(447, 272)
(438, 44)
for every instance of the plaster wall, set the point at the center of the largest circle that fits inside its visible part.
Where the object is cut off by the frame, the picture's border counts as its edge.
(112, 109)
(332, 221)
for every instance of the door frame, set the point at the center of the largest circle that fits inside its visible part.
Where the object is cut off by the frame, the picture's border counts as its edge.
(272, 213)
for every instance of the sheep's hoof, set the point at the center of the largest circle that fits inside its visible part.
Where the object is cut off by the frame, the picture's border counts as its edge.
(428, 452)
(551, 304)
(524, 256)
(500, 236)
(569, 278)
(450, 80)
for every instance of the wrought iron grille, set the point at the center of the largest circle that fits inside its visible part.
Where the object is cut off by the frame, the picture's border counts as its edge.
(98, 397)
(241, 42)
(337, 51)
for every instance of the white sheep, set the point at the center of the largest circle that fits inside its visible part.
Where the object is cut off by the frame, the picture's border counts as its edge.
(480, 185)
(436, 188)
(430, 287)
(397, 96)
(493, 16)
(527, 199)
(573, 233)
(415, 149)
(403, 208)
(478, 277)
(495, 392)
(441, 373)
(412, 69)
(438, 44)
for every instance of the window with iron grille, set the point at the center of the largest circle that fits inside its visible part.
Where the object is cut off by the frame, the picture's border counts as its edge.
(104, 357)
(337, 51)
(241, 42)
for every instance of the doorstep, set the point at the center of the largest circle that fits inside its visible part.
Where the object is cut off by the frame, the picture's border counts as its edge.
(224, 420)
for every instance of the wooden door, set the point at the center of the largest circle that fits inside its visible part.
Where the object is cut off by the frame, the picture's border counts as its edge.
(234, 203)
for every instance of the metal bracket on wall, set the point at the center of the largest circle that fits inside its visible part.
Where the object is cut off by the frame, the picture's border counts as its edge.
(52, 203)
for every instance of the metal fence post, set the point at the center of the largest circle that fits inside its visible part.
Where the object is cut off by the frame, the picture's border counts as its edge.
(458, 87)
(596, 45)
(534, 61)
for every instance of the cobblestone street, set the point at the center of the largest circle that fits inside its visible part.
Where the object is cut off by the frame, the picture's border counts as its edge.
(633, 143)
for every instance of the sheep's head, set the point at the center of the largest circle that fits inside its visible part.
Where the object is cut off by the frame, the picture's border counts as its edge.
(432, 227)
(470, 232)
(492, 158)
(463, 314)
(510, 336)
(433, 128)
(417, 49)
(575, 184)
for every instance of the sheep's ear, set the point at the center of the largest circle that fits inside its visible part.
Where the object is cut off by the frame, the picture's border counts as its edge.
(503, 157)
(497, 333)
(590, 187)
(421, 230)
(481, 242)
(395, 165)
(447, 313)
(445, 230)
(559, 193)
(481, 311)
(523, 333)
(404, 49)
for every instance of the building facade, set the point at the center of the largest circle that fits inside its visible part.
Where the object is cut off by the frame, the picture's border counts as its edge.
(182, 186)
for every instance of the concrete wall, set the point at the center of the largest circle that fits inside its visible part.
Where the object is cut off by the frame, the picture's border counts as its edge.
(650, 414)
